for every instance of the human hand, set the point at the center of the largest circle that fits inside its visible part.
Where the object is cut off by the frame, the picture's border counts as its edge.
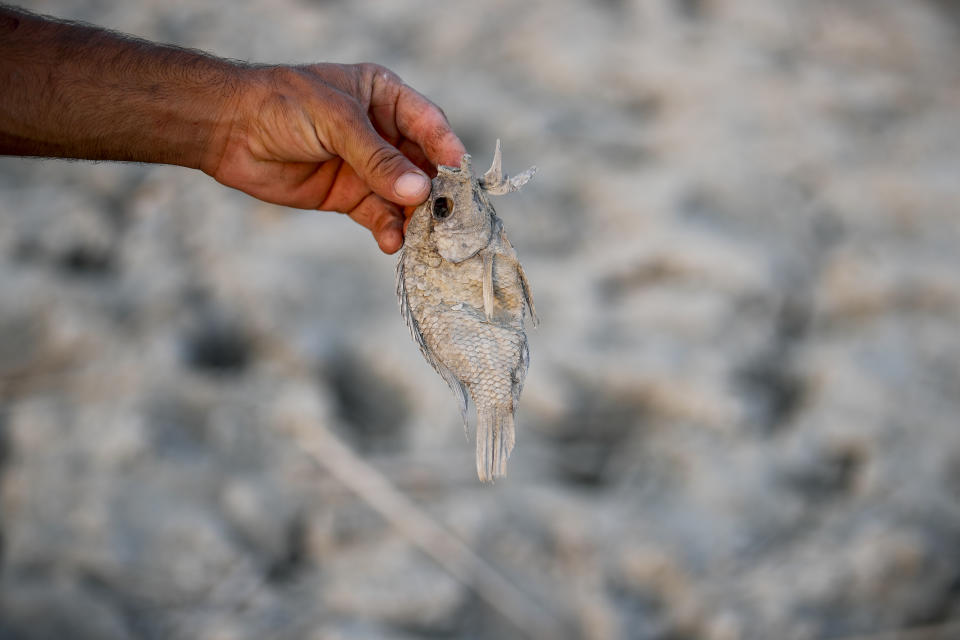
(347, 138)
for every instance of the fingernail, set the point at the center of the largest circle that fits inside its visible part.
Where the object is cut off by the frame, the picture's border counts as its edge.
(411, 184)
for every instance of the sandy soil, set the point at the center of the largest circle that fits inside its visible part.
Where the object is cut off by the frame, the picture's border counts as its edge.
(741, 418)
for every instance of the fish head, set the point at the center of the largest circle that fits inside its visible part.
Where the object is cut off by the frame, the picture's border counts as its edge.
(458, 217)
(461, 215)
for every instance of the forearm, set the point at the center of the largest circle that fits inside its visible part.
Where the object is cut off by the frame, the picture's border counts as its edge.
(77, 91)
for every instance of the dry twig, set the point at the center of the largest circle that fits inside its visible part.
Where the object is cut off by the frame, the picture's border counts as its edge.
(430, 536)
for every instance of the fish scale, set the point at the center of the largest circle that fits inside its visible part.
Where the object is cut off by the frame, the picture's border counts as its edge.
(465, 298)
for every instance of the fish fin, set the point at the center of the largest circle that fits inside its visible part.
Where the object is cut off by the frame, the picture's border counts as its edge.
(459, 391)
(488, 297)
(527, 296)
(518, 375)
(495, 439)
(510, 254)
(494, 175)
(495, 182)
(402, 299)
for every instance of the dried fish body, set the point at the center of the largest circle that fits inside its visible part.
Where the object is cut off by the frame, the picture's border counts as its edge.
(465, 297)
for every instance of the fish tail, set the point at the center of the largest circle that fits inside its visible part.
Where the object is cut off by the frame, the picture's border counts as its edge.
(495, 439)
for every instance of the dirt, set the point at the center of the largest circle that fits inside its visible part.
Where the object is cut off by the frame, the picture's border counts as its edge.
(740, 420)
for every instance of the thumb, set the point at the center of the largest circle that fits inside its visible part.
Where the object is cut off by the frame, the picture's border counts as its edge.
(387, 172)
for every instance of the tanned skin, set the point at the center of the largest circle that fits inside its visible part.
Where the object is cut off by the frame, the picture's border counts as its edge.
(347, 138)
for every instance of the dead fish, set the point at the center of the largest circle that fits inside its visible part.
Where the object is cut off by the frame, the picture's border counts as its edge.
(465, 298)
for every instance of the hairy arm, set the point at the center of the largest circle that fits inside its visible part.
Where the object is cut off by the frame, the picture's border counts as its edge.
(347, 138)
(77, 91)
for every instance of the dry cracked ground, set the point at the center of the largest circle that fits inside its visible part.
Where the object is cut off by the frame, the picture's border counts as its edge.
(742, 419)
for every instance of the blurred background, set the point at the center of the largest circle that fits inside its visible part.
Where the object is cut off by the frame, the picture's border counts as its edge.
(741, 417)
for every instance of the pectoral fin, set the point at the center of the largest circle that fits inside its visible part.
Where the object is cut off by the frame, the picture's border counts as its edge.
(522, 277)
(488, 297)
(527, 296)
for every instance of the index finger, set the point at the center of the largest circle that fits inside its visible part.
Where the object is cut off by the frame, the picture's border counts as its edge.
(425, 124)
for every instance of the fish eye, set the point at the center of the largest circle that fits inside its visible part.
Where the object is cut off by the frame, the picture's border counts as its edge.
(442, 207)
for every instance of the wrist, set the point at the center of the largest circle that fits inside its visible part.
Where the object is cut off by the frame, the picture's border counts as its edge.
(243, 90)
